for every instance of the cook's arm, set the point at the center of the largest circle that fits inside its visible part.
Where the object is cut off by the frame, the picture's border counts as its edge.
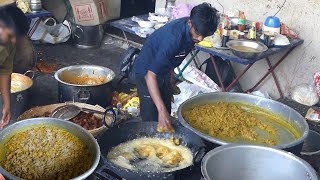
(172, 80)
(164, 117)
(5, 83)
(162, 62)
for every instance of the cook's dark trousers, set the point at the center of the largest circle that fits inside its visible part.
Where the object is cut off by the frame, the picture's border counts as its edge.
(148, 109)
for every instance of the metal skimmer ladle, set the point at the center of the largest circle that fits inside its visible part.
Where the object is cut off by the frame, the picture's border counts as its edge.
(69, 111)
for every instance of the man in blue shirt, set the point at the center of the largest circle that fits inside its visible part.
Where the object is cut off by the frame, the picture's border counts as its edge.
(163, 51)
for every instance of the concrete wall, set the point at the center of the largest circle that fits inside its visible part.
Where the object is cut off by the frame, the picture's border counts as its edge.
(300, 15)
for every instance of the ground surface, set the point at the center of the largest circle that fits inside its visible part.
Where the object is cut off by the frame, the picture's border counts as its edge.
(45, 89)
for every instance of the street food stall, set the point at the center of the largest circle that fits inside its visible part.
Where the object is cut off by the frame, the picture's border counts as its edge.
(93, 130)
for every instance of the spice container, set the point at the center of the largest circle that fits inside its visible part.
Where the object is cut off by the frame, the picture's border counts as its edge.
(242, 22)
(241, 36)
(35, 6)
(252, 31)
(225, 37)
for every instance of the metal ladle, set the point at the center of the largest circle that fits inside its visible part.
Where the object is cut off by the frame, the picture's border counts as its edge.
(69, 111)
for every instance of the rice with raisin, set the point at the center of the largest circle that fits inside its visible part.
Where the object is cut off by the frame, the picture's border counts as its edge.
(46, 153)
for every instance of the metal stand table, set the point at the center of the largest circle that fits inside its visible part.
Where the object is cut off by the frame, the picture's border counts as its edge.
(126, 25)
(229, 56)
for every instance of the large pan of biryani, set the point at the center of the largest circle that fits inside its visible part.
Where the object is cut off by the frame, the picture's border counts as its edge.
(44, 148)
(223, 118)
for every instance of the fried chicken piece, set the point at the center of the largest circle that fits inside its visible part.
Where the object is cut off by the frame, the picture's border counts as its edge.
(172, 159)
(162, 151)
(144, 151)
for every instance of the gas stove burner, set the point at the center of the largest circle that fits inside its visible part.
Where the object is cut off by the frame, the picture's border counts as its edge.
(105, 173)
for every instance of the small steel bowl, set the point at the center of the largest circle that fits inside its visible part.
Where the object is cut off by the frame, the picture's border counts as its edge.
(246, 49)
(234, 21)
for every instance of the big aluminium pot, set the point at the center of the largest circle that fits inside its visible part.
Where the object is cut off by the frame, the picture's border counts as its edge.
(72, 128)
(243, 162)
(294, 118)
(86, 37)
(100, 94)
(19, 99)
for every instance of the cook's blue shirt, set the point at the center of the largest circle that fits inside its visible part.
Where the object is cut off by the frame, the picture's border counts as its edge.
(165, 49)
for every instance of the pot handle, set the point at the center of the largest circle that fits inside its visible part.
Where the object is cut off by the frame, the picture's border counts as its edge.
(83, 95)
(109, 110)
(75, 34)
(29, 72)
(199, 155)
(105, 173)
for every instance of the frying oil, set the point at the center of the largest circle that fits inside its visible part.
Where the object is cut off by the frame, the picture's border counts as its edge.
(125, 155)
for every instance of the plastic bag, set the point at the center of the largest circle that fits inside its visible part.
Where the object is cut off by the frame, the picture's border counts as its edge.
(313, 114)
(305, 94)
(261, 94)
(216, 40)
(188, 91)
(194, 75)
(57, 33)
(317, 82)
(181, 10)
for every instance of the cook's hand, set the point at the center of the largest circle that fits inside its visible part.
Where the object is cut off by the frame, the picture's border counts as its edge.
(172, 98)
(6, 116)
(164, 123)
(1, 177)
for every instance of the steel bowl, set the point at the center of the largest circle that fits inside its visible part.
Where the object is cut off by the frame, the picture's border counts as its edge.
(289, 114)
(72, 128)
(243, 162)
(234, 21)
(246, 49)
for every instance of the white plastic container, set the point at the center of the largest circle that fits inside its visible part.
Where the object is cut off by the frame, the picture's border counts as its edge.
(271, 29)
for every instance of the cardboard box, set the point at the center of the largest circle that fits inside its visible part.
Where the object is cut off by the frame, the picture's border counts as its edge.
(89, 12)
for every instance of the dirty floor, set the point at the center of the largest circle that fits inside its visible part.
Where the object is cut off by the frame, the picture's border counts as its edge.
(45, 89)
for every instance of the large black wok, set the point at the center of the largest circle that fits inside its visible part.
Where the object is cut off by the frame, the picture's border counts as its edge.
(133, 130)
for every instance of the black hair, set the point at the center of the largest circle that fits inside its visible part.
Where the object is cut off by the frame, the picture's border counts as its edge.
(12, 17)
(205, 19)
